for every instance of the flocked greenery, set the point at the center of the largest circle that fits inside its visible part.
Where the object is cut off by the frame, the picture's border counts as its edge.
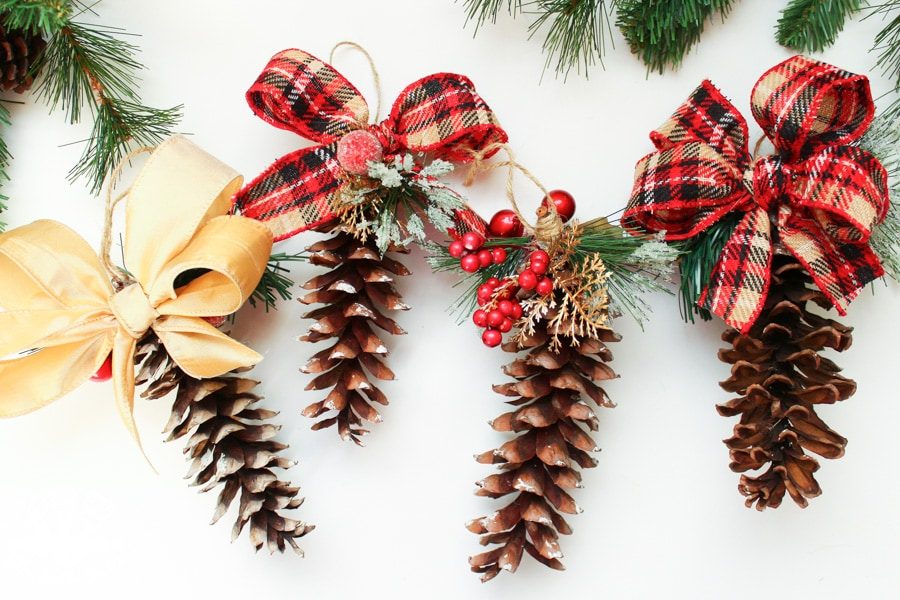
(89, 68)
(402, 198)
(883, 140)
(813, 25)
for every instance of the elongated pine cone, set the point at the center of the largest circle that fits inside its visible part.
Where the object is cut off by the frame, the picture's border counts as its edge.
(539, 464)
(780, 378)
(229, 443)
(18, 51)
(353, 293)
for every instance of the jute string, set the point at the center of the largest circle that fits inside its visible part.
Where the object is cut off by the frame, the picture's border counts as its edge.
(118, 275)
(376, 78)
(548, 225)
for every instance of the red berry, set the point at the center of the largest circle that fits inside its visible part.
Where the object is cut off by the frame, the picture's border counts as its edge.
(469, 263)
(539, 256)
(485, 291)
(506, 307)
(495, 317)
(472, 240)
(499, 255)
(527, 279)
(544, 286)
(539, 267)
(506, 224)
(456, 249)
(491, 338)
(506, 325)
(564, 202)
(517, 311)
(485, 258)
(483, 301)
(493, 282)
(479, 317)
(104, 373)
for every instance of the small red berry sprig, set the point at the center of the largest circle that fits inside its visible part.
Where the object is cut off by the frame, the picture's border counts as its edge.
(472, 254)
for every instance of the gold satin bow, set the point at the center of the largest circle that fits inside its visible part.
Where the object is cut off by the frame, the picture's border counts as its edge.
(63, 317)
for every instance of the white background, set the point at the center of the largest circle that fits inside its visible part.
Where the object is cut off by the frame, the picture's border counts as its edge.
(82, 511)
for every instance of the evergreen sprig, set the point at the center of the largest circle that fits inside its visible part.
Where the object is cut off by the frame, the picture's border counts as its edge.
(813, 25)
(275, 284)
(575, 31)
(883, 141)
(661, 33)
(699, 256)
(90, 68)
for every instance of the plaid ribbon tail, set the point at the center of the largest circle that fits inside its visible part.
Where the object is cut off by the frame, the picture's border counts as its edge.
(296, 193)
(466, 220)
(740, 280)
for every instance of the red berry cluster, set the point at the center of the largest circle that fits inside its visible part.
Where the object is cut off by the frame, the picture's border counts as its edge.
(500, 310)
(530, 278)
(472, 255)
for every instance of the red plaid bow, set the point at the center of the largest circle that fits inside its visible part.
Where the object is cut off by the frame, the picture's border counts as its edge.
(818, 198)
(440, 114)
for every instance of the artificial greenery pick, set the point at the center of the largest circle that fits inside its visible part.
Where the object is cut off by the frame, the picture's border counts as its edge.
(275, 285)
(813, 25)
(90, 68)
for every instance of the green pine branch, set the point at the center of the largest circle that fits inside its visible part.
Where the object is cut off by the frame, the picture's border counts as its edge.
(275, 284)
(813, 25)
(661, 33)
(699, 257)
(36, 16)
(575, 31)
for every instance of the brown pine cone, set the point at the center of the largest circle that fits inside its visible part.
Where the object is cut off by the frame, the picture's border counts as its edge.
(358, 287)
(780, 377)
(18, 51)
(539, 464)
(229, 443)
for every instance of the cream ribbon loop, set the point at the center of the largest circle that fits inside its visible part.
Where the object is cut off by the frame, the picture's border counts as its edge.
(62, 317)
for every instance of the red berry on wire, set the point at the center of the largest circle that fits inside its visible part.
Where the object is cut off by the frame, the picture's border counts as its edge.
(491, 338)
(482, 301)
(485, 258)
(539, 256)
(506, 325)
(505, 223)
(499, 255)
(485, 291)
(506, 307)
(472, 240)
(544, 286)
(493, 282)
(564, 202)
(539, 267)
(527, 279)
(495, 317)
(479, 317)
(456, 249)
(470, 263)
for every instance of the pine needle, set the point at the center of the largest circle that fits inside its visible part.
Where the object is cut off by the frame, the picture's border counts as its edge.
(275, 285)
(661, 33)
(813, 25)
(699, 258)
(883, 140)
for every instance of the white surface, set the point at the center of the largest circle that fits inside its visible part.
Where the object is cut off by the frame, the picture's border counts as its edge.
(81, 510)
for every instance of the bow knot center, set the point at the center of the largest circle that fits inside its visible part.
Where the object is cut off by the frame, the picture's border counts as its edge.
(766, 180)
(133, 310)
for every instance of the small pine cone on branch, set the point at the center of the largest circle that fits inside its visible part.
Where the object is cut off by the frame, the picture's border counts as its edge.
(18, 52)
(539, 464)
(780, 377)
(353, 293)
(229, 443)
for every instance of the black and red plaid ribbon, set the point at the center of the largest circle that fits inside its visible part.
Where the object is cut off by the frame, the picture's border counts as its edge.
(441, 115)
(819, 198)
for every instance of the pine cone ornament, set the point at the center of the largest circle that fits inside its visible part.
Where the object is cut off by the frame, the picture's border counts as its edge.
(780, 378)
(229, 443)
(359, 286)
(540, 464)
(18, 52)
